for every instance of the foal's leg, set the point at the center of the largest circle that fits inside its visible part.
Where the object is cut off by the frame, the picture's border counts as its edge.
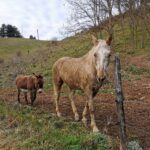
(91, 109)
(57, 89)
(19, 95)
(33, 96)
(84, 119)
(76, 115)
(25, 96)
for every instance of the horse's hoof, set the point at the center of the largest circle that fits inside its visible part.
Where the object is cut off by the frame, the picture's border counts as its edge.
(58, 114)
(84, 120)
(95, 129)
(76, 117)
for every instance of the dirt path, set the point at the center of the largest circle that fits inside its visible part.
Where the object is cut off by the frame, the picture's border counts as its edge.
(137, 109)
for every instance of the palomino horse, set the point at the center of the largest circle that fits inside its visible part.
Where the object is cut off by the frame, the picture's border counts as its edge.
(86, 73)
(26, 83)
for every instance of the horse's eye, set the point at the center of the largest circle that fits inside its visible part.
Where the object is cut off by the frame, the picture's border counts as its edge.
(109, 55)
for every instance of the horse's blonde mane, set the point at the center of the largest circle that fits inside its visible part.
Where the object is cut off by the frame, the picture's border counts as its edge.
(89, 57)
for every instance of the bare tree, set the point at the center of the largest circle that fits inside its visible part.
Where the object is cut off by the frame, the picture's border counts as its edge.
(129, 7)
(97, 15)
(138, 14)
(109, 6)
(119, 6)
(89, 14)
(144, 10)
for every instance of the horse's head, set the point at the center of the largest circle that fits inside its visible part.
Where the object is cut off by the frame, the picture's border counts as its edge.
(102, 54)
(39, 82)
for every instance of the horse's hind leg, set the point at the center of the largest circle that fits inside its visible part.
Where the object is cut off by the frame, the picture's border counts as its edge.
(57, 88)
(76, 115)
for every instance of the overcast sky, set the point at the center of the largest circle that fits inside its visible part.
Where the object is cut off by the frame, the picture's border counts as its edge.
(48, 16)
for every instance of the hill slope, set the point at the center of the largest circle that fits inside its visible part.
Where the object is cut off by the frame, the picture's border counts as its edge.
(10, 46)
(135, 74)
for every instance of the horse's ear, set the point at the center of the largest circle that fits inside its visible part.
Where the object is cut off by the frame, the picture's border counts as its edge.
(94, 40)
(108, 41)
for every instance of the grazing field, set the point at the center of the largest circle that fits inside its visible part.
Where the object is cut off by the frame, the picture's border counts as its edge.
(23, 126)
(136, 109)
(11, 46)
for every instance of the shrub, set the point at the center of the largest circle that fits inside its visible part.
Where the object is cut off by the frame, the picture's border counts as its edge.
(134, 145)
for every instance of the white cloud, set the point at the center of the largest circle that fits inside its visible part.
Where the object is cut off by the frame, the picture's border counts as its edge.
(48, 16)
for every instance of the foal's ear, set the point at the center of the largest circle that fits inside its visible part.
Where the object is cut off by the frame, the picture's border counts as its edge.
(108, 41)
(94, 40)
(35, 75)
(40, 76)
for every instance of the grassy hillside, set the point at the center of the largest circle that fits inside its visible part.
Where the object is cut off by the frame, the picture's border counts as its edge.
(10, 46)
(27, 56)
(26, 127)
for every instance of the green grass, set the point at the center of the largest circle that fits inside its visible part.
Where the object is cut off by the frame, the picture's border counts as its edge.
(148, 57)
(24, 127)
(10, 46)
(138, 71)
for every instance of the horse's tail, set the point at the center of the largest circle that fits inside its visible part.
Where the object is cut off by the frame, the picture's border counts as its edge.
(56, 79)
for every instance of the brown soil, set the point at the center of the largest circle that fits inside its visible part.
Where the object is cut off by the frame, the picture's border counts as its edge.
(140, 61)
(137, 109)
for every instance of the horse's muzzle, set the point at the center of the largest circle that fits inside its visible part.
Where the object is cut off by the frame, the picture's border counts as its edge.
(40, 90)
(100, 79)
(101, 75)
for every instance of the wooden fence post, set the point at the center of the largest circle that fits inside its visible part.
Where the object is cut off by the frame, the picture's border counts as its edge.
(119, 104)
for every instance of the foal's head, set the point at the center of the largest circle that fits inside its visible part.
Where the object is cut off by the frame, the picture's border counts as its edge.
(102, 54)
(39, 82)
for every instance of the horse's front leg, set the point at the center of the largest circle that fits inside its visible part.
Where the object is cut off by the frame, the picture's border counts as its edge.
(74, 109)
(84, 119)
(91, 109)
